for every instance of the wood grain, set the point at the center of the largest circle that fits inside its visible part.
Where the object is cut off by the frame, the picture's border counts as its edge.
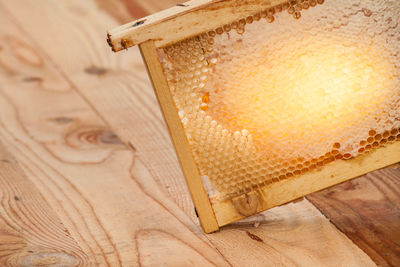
(30, 232)
(122, 95)
(101, 191)
(367, 210)
(62, 118)
(291, 235)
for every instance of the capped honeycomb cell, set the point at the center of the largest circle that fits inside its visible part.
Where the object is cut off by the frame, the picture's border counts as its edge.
(288, 90)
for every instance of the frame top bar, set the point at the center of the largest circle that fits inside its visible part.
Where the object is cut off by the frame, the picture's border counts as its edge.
(184, 21)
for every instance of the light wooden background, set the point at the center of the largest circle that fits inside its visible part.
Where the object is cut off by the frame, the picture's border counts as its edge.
(88, 175)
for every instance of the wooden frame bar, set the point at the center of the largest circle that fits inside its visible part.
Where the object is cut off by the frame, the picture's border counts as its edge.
(287, 190)
(185, 21)
(195, 184)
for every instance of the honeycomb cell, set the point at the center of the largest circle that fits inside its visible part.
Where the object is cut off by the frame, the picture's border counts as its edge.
(288, 90)
(297, 15)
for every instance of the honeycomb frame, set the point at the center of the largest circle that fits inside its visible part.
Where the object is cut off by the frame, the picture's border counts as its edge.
(314, 174)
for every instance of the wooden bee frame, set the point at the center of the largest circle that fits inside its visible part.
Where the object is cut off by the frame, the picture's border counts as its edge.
(188, 20)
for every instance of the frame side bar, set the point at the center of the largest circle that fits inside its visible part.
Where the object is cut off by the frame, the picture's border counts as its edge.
(184, 21)
(192, 175)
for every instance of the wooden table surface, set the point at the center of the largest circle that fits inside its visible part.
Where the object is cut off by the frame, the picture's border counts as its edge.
(88, 175)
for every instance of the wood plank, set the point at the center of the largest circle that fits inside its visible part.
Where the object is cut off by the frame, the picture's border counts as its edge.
(182, 147)
(367, 210)
(184, 21)
(291, 235)
(97, 185)
(281, 192)
(31, 234)
(116, 85)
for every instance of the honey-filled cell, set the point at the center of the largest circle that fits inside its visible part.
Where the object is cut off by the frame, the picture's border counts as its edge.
(288, 90)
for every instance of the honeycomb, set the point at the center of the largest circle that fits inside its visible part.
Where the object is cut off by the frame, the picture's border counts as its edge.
(288, 90)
